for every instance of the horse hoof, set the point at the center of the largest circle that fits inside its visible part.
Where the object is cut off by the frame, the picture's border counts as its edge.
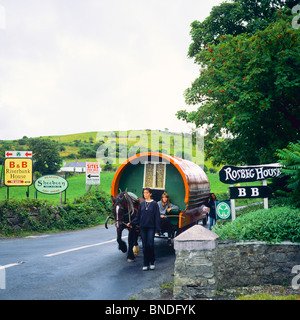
(130, 260)
(136, 250)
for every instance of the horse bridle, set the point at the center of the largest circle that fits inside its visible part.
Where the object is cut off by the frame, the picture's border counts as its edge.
(130, 212)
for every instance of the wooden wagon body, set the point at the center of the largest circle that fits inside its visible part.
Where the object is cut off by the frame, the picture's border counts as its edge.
(184, 181)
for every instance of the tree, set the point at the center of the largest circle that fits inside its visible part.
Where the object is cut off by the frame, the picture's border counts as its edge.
(240, 16)
(46, 158)
(248, 93)
(290, 160)
(87, 152)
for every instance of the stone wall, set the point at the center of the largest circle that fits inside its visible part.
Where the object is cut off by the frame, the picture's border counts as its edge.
(255, 263)
(194, 275)
(194, 271)
(204, 263)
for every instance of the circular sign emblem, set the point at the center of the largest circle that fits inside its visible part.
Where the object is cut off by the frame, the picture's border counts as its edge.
(223, 210)
(51, 184)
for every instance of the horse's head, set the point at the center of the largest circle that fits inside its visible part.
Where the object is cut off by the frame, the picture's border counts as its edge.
(122, 208)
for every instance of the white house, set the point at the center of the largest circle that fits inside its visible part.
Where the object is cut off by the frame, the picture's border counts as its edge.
(74, 166)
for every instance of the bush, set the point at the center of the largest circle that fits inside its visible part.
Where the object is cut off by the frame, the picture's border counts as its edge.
(290, 159)
(273, 225)
(18, 216)
(30, 215)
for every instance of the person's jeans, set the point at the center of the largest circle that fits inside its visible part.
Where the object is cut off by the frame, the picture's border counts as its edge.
(212, 222)
(148, 245)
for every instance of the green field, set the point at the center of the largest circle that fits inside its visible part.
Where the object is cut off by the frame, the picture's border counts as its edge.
(77, 188)
(135, 139)
(125, 141)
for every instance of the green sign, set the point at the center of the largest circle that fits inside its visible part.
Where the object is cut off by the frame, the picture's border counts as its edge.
(223, 210)
(51, 184)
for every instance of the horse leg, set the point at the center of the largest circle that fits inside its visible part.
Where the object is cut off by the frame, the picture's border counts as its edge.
(136, 250)
(131, 242)
(122, 244)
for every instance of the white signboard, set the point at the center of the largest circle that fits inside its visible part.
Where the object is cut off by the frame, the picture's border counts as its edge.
(18, 154)
(93, 170)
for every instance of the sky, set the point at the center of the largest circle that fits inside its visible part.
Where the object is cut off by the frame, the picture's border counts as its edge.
(72, 66)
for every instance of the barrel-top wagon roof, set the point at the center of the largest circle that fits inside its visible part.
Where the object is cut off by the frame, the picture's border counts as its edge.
(193, 176)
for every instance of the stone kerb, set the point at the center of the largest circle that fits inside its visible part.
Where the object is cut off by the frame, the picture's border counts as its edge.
(194, 274)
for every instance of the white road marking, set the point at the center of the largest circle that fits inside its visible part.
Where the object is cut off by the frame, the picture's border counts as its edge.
(40, 236)
(83, 247)
(11, 265)
(3, 273)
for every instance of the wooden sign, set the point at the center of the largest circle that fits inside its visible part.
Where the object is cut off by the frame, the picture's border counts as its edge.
(51, 184)
(18, 172)
(249, 192)
(18, 154)
(223, 210)
(232, 174)
(93, 170)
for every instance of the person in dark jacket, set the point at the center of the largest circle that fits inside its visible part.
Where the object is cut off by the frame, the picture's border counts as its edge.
(212, 212)
(148, 218)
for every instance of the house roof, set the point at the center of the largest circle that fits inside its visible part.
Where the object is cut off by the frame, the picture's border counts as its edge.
(75, 164)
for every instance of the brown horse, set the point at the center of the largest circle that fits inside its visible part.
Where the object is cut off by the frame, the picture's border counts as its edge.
(125, 209)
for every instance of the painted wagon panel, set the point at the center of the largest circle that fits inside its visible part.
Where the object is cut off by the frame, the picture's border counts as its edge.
(185, 182)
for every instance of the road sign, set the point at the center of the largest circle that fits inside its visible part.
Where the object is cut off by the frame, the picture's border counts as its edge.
(51, 184)
(249, 192)
(18, 154)
(17, 172)
(223, 210)
(93, 170)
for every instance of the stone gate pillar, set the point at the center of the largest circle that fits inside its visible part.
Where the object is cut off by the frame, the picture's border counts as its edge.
(194, 274)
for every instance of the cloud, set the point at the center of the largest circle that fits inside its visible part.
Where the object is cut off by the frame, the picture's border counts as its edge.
(75, 66)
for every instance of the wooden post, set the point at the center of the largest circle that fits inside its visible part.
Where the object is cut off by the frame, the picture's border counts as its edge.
(232, 204)
(266, 202)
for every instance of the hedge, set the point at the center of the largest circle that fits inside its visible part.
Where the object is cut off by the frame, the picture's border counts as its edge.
(32, 215)
(273, 225)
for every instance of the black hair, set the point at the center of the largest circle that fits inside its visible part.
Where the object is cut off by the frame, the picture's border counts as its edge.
(148, 189)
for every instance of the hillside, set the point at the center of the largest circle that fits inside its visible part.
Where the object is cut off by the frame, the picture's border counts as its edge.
(117, 145)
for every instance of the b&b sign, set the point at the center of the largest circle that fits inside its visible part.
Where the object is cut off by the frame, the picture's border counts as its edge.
(232, 174)
(249, 192)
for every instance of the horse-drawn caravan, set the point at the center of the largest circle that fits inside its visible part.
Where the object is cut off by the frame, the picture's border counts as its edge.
(185, 182)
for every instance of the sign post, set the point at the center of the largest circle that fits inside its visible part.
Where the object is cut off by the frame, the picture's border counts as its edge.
(93, 170)
(237, 174)
(266, 202)
(223, 210)
(18, 172)
(232, 203)
(18, 154)
(52, 184)
(250, 192)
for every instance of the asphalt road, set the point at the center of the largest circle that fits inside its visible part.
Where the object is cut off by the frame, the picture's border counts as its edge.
(77, 265)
